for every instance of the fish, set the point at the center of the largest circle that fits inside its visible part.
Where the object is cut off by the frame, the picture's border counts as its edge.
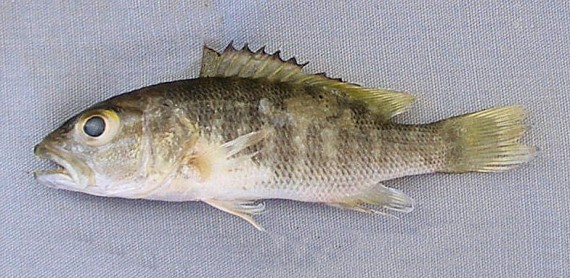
(254, 126)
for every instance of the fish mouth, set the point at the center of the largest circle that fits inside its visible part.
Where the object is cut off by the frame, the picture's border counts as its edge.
(69, 173)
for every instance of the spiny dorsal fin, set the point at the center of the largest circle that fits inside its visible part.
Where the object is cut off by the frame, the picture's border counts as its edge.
(245, 63)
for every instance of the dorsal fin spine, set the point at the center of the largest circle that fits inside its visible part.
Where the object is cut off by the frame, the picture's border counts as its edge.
(275, 72)
(246, 47)
(286, 77)
(259, 70)
(230, 64)
(247, 64)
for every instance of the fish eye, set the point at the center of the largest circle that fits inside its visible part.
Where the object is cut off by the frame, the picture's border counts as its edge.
(94, 126)
(98, 127)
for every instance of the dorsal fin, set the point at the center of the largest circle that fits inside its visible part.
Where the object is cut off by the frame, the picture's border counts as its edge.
(245, 63)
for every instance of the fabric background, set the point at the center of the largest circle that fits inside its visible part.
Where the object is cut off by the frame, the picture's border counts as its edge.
(57, 57)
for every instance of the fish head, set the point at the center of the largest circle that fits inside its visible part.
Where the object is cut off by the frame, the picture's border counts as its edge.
(98, 151)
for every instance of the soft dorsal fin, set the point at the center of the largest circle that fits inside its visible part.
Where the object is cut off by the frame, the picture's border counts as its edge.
(245, 63)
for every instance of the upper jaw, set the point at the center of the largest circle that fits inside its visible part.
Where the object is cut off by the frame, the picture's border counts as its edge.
(72, 172)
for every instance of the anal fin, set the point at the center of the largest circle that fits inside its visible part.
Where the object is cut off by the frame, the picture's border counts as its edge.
(243, 209)
(378, 196)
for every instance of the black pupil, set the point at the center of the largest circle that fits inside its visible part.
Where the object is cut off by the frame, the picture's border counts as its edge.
(94, 127)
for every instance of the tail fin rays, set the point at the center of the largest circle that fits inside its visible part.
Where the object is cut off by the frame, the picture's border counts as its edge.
(486, 141)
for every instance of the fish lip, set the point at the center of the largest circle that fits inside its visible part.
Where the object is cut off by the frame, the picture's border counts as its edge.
(70, 167)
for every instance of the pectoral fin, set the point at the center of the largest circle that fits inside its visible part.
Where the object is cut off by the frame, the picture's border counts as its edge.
(240, 143)
(243, 209)
(208, 158)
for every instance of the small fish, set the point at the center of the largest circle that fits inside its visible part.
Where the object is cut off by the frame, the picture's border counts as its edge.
(253, 126)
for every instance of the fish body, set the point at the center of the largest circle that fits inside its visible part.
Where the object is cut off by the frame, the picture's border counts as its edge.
(254, 127)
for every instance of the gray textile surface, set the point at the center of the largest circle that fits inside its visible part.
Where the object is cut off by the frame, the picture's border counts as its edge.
(57, 57)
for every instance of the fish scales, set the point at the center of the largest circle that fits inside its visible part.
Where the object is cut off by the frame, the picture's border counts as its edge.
(365, 150)
(255, 127)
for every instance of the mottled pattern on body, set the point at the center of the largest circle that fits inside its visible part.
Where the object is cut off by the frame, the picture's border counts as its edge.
(320, 147)
(254, 126)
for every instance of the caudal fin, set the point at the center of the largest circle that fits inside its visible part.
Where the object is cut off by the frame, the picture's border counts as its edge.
(486, 141)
